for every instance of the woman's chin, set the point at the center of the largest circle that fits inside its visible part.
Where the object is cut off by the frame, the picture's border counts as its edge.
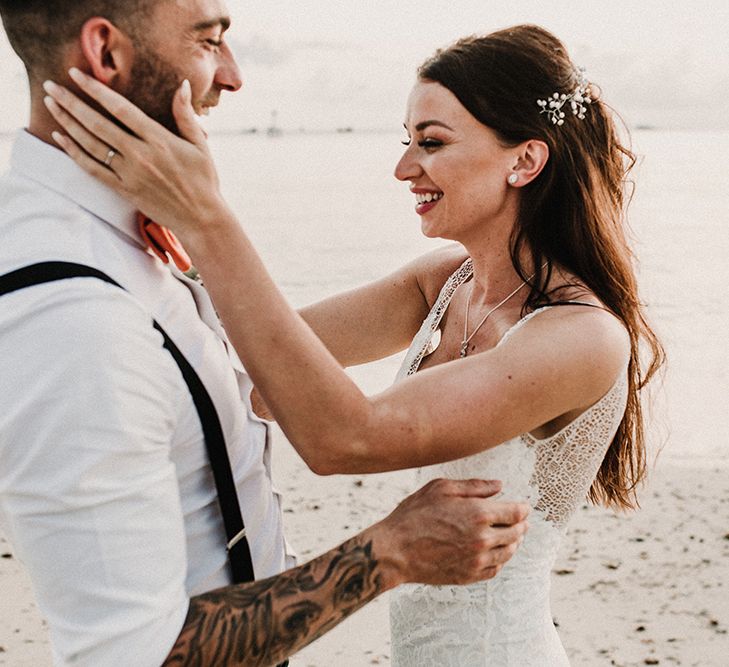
(428, 229)
(432, 231)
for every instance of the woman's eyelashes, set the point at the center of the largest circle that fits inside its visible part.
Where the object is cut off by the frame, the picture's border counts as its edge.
(426, 143)
(430, 144)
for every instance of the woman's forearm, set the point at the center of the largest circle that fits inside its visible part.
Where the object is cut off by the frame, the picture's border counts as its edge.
(324, 406)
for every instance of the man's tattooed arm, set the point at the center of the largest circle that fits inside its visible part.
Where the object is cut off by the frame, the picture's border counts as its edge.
(263, 622)
(448, 532)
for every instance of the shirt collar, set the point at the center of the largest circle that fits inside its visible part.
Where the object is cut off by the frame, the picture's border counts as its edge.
(51, 167)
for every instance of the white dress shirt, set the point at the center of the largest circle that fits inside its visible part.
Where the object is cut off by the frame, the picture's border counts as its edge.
(105, 488)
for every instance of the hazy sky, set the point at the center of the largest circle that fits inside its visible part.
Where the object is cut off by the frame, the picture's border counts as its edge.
(334, 63)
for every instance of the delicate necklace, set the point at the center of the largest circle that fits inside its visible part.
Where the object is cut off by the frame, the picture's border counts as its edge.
(466, 336)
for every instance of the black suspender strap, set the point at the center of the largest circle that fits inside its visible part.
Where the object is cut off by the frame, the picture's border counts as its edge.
(239, 553)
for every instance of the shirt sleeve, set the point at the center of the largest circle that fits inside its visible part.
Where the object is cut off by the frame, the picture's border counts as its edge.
(87, 486)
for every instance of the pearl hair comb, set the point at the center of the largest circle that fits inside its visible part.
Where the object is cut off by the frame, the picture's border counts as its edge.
(577, 99)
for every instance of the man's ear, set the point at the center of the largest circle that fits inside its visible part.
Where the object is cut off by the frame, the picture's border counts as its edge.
(108, 51)
(532, 155)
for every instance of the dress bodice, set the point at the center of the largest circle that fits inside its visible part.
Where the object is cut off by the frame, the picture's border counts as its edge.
(507, 621)
(554, 474)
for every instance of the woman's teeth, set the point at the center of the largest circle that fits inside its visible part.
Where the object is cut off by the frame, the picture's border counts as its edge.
(428, 197)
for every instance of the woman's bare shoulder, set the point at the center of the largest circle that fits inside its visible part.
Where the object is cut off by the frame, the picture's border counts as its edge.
(590, 346)
(578, 309)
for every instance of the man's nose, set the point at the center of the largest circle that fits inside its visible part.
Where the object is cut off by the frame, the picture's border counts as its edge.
(228, 76)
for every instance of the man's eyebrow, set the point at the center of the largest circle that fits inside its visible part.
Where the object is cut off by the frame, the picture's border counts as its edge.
(427, 123)
(223, 21)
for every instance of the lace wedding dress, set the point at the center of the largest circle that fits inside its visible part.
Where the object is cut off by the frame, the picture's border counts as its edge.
(505, 622)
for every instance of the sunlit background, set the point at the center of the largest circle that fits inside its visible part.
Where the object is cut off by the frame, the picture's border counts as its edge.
(330, 64)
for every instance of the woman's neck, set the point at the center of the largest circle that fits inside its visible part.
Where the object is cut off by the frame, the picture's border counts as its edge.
(494, 275)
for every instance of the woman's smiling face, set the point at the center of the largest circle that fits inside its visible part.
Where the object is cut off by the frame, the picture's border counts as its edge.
(457, 167)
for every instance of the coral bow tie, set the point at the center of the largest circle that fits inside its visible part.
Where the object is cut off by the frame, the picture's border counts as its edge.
(163, 243)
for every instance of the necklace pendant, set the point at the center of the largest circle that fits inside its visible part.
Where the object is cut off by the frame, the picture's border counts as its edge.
(464, 349)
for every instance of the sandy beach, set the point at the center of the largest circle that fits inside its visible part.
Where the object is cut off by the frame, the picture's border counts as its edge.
(649, 588)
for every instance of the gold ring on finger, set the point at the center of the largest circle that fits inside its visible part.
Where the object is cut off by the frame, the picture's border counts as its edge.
(109, 157)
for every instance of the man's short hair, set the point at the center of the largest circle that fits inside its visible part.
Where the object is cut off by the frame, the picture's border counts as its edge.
(39, 30)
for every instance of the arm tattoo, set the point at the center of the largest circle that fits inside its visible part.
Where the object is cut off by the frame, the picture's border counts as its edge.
(263, 622)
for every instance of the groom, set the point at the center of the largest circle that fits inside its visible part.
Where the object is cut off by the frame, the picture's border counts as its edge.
(106, 491)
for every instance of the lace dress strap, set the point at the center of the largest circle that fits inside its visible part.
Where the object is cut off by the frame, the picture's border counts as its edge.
(430, 325)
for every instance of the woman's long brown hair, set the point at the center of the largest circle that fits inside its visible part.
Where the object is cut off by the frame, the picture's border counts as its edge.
(573, 213)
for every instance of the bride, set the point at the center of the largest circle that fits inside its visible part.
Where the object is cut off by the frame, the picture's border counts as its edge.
(525, 365)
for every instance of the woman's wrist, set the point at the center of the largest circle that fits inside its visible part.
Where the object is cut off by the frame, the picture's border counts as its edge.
(207, 227)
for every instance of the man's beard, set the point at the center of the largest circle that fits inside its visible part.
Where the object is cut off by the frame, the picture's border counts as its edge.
(153, 85)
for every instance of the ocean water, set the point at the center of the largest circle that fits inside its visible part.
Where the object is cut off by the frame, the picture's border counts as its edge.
(326, 214)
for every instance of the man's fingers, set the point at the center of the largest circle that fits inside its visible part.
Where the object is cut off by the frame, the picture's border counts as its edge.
(499, 556)
(467, 488)
(496, 545)
(506, 514)
(489, 572)
(501, 537)
(481, 488)
(117, 105)
(461, 533)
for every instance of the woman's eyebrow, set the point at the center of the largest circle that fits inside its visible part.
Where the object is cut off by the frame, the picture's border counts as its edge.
(427, 123)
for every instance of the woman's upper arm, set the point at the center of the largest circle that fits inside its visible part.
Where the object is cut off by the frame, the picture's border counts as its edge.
(381, 318)
(554, 364)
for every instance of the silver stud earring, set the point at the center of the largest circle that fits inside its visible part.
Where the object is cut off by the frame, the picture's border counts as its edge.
(513, 178)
